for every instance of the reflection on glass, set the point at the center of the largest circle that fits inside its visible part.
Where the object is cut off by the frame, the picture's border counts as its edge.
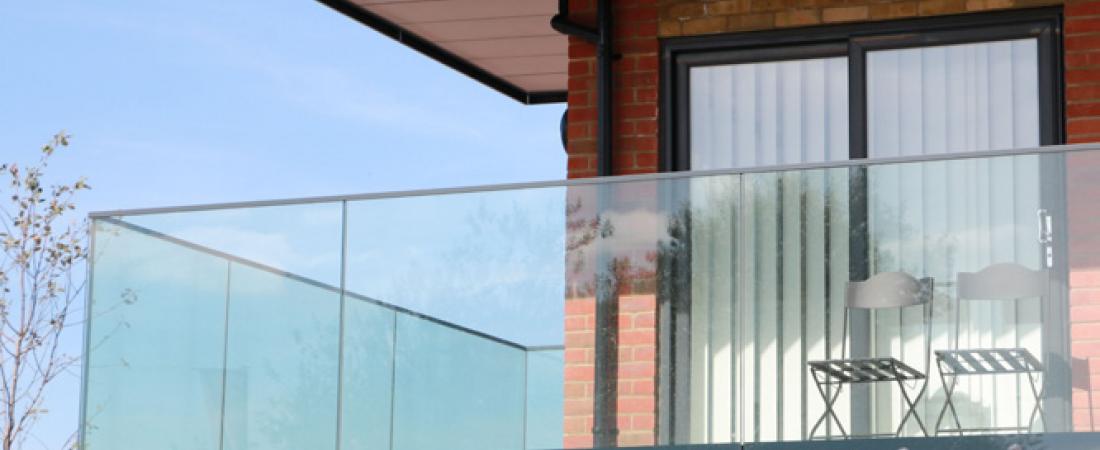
(494, 259)
(299, 239)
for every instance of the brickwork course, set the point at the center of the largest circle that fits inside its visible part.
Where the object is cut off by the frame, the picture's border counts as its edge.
(638, 28)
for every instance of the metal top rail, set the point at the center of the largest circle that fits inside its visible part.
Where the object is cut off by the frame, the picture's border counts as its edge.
(1052, 149)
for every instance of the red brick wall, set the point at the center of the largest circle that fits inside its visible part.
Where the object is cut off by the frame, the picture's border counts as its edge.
(637, 403)
(580, 325)
(694, 17)
(1082, 66)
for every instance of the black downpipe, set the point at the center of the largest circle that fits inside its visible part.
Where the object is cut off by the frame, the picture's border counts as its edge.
(601, 37)
(605, 430)
(604, 57)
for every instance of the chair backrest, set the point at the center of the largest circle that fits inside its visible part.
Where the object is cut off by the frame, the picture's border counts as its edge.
(889, 290)
(1003, 281)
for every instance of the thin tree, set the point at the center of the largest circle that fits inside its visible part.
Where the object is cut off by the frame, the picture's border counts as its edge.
(41, 248)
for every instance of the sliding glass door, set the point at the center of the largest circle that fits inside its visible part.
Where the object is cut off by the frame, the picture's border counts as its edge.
(769, 269)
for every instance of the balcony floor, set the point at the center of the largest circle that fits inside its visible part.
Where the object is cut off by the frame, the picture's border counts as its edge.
(1047, 441)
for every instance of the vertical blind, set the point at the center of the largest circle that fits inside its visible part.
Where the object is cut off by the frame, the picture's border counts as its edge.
(750, 354)
(763, 114)
(769, 268)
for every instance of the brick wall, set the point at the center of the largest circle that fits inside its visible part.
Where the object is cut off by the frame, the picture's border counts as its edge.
(639, 24)
(1082, 84)
(635, 97)
(1084, 203)
(694, 17)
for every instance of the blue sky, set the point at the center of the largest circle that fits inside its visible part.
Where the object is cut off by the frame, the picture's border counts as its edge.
(207, 101)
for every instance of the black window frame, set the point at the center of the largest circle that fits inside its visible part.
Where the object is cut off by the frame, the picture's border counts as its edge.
(680, 54)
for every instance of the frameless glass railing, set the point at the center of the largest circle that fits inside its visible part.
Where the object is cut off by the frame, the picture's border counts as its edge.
(685, 308)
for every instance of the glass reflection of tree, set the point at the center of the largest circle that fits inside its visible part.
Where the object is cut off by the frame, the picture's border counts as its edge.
(501, 273)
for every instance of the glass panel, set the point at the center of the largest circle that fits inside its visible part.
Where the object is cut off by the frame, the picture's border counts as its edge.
(762, 114)
(367, 386)
(954, 98)
(304, 240)
(494, 259)
(544, 398)
(939, 219)
(770, 263)
(456, 390)
(618, 233)
(155, 348)
(281, 362)
(713, 202)
(792, 265)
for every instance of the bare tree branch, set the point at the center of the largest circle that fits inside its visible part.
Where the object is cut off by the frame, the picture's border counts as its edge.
(38, 253)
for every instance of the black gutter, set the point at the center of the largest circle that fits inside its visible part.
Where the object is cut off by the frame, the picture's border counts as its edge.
(430, 49)
(564, 25)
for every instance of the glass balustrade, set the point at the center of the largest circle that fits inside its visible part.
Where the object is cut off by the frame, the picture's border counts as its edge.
(945, 301)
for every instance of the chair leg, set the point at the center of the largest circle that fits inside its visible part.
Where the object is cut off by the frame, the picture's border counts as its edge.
(830, 399)
(1038, 408)
(948, 390)
(911, 404)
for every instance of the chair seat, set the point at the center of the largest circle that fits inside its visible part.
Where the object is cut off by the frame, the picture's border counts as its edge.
(988, 361)
(864, 370)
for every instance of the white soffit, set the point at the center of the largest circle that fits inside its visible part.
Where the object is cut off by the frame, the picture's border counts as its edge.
(510, 39)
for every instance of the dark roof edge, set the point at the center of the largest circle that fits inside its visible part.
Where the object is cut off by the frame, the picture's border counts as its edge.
(430, 49)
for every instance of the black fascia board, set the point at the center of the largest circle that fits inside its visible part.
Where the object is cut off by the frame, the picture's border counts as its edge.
(447, 58)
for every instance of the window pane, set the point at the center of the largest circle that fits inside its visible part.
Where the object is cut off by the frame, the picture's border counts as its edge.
(760, 114)
(953, 98)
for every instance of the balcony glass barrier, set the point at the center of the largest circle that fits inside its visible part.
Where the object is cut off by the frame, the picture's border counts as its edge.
(946, 301)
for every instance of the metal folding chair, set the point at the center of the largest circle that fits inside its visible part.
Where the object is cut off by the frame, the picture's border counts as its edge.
(1005, 281)
(882, 291)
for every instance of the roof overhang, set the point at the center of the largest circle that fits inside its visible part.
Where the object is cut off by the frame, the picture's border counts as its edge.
(505, 44)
